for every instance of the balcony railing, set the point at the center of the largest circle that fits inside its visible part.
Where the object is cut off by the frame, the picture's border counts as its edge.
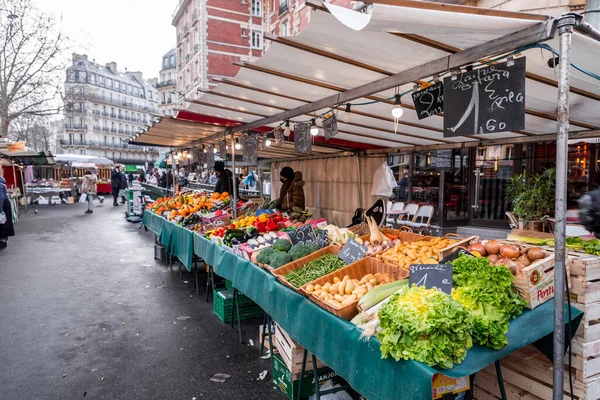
(170, 82)
(76, 126)
(187, 58)
(92, 143)
(195, 48)
(113, 130)
(105, 129)
(122, 131)
(283, 8)
(76, 110)
(168, 101)
(97, 128)
(113, 115)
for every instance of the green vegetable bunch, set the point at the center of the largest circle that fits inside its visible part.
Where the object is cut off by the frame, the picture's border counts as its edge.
(425, 325)
(489, 295)
(264, 257)
(281, 245)
(589, 246)
(315, 269)
(301, 250)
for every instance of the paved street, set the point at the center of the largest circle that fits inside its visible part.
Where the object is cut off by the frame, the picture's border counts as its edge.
(85, 311)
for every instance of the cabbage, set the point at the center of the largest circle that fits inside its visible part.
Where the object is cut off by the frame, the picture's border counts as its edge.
(425, 325)
(489, 295)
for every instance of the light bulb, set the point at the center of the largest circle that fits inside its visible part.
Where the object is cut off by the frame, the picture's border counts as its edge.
(268, 142)
(347, 114)
(314, 130)
(397, 111)
(238, 145)
(286, 130)
(189, 155)
(215, 150)
(179, 154)
(204, 149)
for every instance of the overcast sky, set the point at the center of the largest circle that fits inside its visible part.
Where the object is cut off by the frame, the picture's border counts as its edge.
(133, 33)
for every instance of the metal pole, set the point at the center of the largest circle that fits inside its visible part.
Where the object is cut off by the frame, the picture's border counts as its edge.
(235, 193)
(565, 31)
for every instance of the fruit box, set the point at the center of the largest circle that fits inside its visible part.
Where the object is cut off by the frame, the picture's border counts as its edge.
(216, 220)
(535, 283)
(442, 384)
(288, 382)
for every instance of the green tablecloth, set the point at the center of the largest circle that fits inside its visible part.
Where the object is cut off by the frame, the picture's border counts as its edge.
(176, 239)
(337, 342)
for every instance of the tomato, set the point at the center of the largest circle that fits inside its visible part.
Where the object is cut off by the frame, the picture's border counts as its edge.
(232, 226)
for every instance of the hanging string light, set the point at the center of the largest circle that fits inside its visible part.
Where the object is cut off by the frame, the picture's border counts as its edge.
(204, 148)
(397, 111)
(268, 142)
(347, 114)
(286, 131)
(314, 130)
(238, 145)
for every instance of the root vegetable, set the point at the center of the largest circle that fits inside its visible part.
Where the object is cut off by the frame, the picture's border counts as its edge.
(492, 246)
(535, 253)
(523, 260)
(493, 258)
(478, 247)
(509, 251)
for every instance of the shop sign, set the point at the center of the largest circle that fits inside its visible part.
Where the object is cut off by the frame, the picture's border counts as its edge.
(330, 127)
(251, 149)
(429, 101)
(432, 276)
(16, 147)
(486, 100)
(302, 138)
(352, 251)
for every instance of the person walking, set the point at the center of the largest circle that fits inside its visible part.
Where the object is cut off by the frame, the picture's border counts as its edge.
(163, 180)
(170, 180)
(6, 228)
(123, 187)
(115, 184)
(89, 188)
(130, 178)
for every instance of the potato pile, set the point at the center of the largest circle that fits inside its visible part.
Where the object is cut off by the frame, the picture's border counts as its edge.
(343, 292)
(421, 252)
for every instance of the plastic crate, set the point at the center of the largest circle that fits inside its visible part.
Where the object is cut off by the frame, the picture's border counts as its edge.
(223, 303)
(228, 284)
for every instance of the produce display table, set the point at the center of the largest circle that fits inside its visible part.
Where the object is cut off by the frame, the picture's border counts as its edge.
(176, 239)
(337, 342)
(103, 188)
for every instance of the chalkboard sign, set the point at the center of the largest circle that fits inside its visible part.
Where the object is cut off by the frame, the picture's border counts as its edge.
(223, 149)
(330, 127)
(323, 239)
(432, 276)
(302, 138)
(429, 101)
(251, 149)
(278, 137)
(455, 254)
(302, 235)
(352, 251)
(442, 160)
(486, 100)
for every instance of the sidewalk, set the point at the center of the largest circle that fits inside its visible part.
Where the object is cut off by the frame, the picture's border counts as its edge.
(84, 309)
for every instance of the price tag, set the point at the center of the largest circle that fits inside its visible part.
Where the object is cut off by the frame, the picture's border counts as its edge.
(302, 235)
(432, 276)
(323, 239)
(352, 251)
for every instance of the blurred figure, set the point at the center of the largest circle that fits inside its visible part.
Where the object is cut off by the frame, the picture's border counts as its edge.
(89, 188)
(130, 178)
(6, 228)
(115, 184)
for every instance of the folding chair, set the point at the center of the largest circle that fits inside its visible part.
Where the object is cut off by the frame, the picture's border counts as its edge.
(406, 219)
(390, 221)
(512, 220)
(422, 219)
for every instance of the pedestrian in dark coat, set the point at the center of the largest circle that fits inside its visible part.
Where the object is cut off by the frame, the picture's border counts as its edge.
(123, 187)
(115, 184)
(291, 193)
(6, 229)
(163, 180)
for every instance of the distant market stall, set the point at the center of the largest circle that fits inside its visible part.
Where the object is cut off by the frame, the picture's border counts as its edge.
(345, 105)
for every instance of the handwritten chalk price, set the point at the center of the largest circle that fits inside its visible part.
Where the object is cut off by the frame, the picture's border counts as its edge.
(432, 276)
(302, 235)
(352, 251)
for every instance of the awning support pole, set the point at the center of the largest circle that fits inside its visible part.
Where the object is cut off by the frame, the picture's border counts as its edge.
(565, 30)
(235, 193)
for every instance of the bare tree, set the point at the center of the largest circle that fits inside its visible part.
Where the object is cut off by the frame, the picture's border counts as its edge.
(31, 72)
(33, 130)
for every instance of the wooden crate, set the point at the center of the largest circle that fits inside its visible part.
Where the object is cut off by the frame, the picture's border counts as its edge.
(292, 353)
(585, 277)
(530, 373)
(462, 242)
(404, 236)
(355, 270)
(535, 283)
(299, 263)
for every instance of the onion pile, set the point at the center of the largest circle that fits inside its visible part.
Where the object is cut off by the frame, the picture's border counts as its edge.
(512, 256)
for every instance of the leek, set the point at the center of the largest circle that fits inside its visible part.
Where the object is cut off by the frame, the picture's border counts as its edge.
(380, 293)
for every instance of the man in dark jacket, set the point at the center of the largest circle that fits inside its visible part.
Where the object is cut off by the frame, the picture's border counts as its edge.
(291, 193)
(123, 186)
(162, 182)
(170, 180)
(6, 229)
(224, 179)
(130, 178)
(115, 184)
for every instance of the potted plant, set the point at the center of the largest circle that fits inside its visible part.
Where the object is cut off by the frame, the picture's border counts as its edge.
(532, 197)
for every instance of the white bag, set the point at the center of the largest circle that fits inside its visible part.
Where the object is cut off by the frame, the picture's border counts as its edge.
(2, 218)
(383, 181)
(83, 198)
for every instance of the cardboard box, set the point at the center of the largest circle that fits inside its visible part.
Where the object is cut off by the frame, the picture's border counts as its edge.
(216, 220)
(55, 200)
(292, 352)
(288, 383)
(70, 200)
(442, 384)
(43, 200)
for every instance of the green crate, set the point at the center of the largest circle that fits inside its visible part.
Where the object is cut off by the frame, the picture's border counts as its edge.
(228, 284)
(223, 303)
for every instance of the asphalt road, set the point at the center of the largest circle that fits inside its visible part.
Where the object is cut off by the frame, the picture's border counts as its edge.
(86, 312)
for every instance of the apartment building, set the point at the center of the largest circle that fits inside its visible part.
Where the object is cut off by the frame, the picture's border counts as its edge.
(167, 83)
(290, 17)
(103, 109)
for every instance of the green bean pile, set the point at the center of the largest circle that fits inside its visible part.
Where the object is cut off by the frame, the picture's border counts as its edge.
(314, 270)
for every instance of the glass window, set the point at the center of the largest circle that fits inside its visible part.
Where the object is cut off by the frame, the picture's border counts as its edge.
(82, 76)
(135, 91)
(109, 83)
(593, 18)
(71, 76)
(117, 83)
(93, 79)
(284, 31)
(165, 62)
(172, 62)
(256, 8)
(101, 80)
(256, 40)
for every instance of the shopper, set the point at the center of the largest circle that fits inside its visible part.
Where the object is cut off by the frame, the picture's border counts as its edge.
(115, 184)
(142, 177)
(170, 179)
(152, 180)
(203, 178)
(130, 178)
(224, 179)
(123, 187)
(291, 193)
(183, 182)
(213, 179)
(163, 180)
(89, 188)
(403, 185)
(6, 229)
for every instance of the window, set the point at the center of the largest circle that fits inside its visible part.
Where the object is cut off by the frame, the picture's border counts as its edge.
(109, 83)
(284, 30)
(71, 138)
(81, 138)
(256, 7)
(172, 64)
(256, 40)
(244, 32)
(82, 152)
(169, 76)
(105, 140)
(113, 141)
(82, 76)
(71, 76)
(117, 83)
(101, 80)
(93, 79)
(187, 48)
(593, 18)
(165, 62)
(135, 91)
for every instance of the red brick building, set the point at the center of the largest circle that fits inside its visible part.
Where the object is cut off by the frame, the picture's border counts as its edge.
(212, 34)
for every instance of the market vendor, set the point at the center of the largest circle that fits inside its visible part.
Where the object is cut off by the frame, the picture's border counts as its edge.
(291, 193)
(224, 179)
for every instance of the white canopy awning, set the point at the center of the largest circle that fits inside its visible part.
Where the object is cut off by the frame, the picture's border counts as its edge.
(83, 160)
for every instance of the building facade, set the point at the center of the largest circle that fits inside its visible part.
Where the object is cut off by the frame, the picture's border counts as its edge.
(167, 83)
(103, 109)
(290, 17)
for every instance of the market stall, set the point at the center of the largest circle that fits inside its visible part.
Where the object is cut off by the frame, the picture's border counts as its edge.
(259, 103)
